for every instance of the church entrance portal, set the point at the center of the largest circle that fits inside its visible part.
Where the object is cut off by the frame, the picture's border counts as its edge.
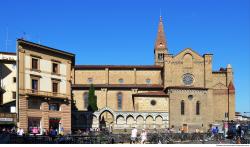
(106, 121)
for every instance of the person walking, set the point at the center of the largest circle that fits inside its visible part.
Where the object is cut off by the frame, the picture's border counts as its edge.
(53, 134)
(35, 130)
(133, 135)
(20, 132)
(143, 136)
(238, 131)
(62, 131)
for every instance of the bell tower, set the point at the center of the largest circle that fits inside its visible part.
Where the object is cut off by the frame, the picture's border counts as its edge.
(160, 48)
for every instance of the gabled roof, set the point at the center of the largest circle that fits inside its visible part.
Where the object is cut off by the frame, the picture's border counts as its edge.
(190, 50)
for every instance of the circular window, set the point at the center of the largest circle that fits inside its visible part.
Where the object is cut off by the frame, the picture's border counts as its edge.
(190, 97)
(188, 79)
(153, 102)
(120, 81)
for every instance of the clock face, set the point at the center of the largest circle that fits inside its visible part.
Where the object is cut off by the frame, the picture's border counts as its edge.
(188, 79)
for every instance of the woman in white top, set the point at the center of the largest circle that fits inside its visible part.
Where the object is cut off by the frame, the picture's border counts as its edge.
(133, 135)
(143, 136)
(20, 132)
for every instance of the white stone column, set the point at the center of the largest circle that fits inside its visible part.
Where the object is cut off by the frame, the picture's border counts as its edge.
(154, 124)
(144, 123)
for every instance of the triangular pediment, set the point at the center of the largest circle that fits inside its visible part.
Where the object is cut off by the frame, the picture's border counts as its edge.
(194, 54)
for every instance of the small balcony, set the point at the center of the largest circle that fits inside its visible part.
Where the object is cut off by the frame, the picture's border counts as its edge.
(47, 94)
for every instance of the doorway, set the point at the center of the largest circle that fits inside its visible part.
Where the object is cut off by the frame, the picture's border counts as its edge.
(106, 121)
(54, 123)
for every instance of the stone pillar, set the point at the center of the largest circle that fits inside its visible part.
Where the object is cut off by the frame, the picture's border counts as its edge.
(106, 76)
(135, 76)
(154, 124)
(208, 70)
(144, 123)
(45, 115)
(66, 116)
(105, 95)
(168, 74)
(229, 71)
(95, 122)
(23, 118)
(165, 123)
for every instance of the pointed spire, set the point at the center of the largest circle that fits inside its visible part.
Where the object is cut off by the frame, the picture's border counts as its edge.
(161, 42)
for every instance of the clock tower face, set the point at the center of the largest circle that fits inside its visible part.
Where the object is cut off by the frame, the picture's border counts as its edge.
(188, 79)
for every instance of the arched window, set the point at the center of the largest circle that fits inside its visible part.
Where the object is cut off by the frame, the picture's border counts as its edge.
(119, 101)
(182, 107)
(160, 56)
(197, 108)
(86, 100)
(188, 61)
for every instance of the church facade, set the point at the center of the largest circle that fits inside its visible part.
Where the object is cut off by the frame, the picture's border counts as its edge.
(178, 90)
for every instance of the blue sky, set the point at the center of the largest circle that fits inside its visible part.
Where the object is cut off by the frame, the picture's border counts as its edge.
(123, 32)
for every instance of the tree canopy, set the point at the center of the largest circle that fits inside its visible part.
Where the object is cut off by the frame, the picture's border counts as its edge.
(92, 99)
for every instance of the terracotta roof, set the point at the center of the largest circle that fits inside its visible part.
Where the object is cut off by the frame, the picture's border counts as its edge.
(119, 86)
(148, 94)
(47, 48)
(160, 42)
(118, 66)
(186, 88)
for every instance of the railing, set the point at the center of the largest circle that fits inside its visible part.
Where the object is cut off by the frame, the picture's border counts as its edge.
(45, 93)
(108, 138)
(72, 139)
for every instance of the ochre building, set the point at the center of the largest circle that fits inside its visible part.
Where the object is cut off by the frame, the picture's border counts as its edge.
(44, 87)
(178, 90)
